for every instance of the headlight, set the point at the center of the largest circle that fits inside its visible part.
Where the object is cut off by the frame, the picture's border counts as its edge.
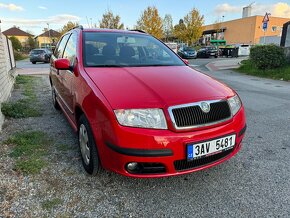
(235, 104)
(185, 53)
(144, 118)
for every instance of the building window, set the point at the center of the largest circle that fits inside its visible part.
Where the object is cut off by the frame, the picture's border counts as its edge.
(274, 28)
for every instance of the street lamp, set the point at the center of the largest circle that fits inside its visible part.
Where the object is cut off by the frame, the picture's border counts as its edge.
(222, 27)
(49, 34)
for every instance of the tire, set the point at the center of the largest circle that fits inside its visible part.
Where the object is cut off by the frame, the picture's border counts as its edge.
(33, 62)
(54, 101)
(88, 149)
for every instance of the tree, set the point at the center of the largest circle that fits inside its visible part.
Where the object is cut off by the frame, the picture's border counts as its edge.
(167, 26)
(111, 21)
(151, 22)
(179, 29)
(16, 44)
(68, 27)
(31, 43)
(190, 30)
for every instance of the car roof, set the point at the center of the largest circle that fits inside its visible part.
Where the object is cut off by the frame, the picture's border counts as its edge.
(115, 31)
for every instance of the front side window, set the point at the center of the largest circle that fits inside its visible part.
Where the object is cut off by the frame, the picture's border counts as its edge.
(60, 47)
(125, 49)
(70, 49)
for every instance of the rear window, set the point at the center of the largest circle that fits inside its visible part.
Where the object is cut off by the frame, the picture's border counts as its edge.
(37, 51)
(126, 50)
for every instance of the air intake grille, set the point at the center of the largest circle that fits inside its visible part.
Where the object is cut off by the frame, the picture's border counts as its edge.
(193, 116)
(185, 165)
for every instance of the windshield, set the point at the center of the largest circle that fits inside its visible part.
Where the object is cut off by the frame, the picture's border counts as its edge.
(125, 49)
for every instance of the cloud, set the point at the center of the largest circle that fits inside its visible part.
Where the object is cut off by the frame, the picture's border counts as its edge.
(227, 9)
(57, 19)
(11, 7)
(280, 9)
(42, 7)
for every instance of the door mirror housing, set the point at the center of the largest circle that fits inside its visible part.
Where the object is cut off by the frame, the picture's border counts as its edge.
(62, 64)
(186, 61)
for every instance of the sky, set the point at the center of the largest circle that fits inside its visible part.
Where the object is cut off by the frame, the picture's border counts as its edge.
(34, 16)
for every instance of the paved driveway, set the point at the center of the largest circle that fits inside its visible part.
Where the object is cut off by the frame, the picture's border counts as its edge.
(255, 183)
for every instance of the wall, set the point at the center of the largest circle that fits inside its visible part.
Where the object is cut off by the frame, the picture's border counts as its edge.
(249, 30)
(7, 71)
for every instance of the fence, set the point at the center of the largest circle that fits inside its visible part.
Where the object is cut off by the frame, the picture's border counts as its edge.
(7, 71)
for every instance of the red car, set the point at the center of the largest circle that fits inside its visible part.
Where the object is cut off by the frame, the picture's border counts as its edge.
(139, 109)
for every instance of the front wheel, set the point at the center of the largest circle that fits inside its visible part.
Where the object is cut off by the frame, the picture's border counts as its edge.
(88, 149)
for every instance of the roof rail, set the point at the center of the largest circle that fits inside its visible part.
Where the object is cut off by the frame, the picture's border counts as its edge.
(136, 30)
(78, 27)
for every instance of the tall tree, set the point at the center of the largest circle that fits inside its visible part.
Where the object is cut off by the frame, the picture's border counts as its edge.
(31, 43)
(190, 30)
(111, 21)
(193, 22)
(68, 27)
(167, 26)
(179, 29)
(16, 44)
(151, 22)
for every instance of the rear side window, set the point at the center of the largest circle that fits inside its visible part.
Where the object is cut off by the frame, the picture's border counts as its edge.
(60, 47)
(70, 49)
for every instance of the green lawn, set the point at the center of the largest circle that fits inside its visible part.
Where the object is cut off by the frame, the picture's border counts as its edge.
(282, 73)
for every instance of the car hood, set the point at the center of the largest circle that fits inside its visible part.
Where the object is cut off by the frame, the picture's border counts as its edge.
(155, 87)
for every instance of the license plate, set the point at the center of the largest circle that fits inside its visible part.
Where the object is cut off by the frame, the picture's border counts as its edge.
(212, 53)
(207, 148)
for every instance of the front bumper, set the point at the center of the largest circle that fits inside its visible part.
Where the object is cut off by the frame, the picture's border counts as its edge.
(164, 148)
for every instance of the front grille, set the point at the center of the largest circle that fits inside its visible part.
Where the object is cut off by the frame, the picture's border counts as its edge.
(193, 116)
(185, 165)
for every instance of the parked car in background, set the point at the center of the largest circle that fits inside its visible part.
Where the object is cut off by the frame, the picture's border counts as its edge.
(141, 114)
(187, 52)
(207, 51)
(40, 55)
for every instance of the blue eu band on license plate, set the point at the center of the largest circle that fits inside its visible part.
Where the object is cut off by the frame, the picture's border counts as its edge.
(190, 152)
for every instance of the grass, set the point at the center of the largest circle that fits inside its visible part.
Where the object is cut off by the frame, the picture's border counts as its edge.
(282, 73)
(29, 150)
(50, 204)
(27, 106)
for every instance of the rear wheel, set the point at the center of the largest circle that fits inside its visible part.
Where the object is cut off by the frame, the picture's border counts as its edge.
(33, 62)
(88, 149)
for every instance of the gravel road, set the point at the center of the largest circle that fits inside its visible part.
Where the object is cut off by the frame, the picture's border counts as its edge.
(255, 183)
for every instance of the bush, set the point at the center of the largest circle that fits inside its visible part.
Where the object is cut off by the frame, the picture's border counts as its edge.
(267, 56)
(19, 56)
(16, 44)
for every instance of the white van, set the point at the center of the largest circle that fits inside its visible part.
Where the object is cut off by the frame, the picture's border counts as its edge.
(244, 50)
(172, 46)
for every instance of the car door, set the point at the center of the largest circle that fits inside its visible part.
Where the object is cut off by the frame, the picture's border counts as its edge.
(67, 77)
(55, 74)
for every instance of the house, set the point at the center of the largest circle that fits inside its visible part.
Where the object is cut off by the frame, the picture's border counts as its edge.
(21, 35)
(246, 30)
(47, 39)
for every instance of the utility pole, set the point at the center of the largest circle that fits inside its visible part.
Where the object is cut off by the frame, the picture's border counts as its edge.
(49, 35)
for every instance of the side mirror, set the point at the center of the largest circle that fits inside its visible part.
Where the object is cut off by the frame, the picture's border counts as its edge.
(186, 61)
(62, 64)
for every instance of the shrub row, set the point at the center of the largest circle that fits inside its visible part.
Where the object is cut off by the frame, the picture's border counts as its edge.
(267, 56)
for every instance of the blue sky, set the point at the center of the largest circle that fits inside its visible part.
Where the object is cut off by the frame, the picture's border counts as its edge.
(34, 15)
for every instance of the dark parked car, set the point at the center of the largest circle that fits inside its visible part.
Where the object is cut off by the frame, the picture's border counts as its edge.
(208, 51)
(187, 52)
(40, 55)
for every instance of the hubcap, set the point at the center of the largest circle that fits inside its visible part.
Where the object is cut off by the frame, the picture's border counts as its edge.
(84, 144)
